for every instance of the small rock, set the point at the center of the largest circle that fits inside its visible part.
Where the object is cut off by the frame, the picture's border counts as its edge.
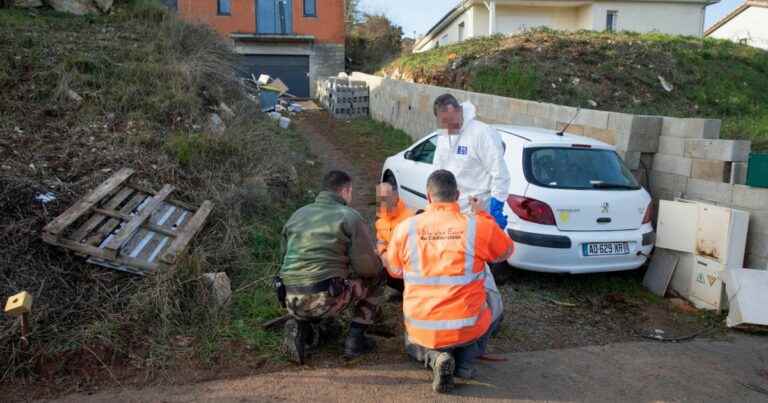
(219, 289)
(74, 97)
(592, 103)
(666, 85)
(576, 81)
(216, 124)
(226, 111)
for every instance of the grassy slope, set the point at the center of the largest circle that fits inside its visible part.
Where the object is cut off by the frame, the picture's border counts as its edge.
(711, 78)
(147, 82)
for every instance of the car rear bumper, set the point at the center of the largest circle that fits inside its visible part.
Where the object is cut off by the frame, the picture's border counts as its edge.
(561, 252)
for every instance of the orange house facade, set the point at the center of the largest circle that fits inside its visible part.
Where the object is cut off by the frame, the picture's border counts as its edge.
(298, 41)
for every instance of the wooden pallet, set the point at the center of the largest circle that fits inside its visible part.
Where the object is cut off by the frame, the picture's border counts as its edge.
(125, 227)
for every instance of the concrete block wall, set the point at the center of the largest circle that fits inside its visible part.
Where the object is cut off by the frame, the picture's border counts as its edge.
(682, 157)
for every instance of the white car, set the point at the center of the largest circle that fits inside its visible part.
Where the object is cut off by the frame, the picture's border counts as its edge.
(574, 206)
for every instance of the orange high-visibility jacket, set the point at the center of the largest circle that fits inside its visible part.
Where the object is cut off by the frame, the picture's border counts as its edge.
(387, 222)
(441, 256)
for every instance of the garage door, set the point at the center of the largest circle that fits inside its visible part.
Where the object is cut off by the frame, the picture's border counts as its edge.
(292, 70)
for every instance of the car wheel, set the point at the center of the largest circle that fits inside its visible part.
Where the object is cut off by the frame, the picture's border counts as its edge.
(502, 272)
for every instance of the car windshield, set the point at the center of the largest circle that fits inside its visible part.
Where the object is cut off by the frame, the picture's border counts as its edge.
(578, 168)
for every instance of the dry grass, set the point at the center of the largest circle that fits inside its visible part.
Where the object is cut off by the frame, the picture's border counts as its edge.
(148, 82)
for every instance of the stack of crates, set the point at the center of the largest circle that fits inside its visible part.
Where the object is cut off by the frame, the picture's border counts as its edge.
(345, 98)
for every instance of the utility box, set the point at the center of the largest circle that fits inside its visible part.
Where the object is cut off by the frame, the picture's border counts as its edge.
(707, 287)
(757, 171)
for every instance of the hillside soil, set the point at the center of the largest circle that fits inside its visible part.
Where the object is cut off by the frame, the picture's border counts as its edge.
(624, 72)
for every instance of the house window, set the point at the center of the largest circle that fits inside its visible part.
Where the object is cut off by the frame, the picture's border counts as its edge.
(310, 8)
(611, 22)
(274, 16)
(224, 7)
(461, 31)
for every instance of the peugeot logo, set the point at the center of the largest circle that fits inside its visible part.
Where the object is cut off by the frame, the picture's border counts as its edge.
(606, 207)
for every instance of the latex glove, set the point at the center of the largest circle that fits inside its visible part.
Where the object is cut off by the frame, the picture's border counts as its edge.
(497, 212)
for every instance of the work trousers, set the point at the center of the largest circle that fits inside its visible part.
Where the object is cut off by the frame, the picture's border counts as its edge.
(363, 295)
(464, 355)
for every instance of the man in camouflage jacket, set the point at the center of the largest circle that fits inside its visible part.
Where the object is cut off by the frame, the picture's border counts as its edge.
(330, 264)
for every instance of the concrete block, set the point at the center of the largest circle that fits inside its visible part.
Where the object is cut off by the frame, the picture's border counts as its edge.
(709, 170)
(620, 122)
(564, 113)
(666, 185)
(672, 164)
(712, 192)
(631, 159)
(738, 173)
(757, 244)
(520, 119)
(646, 161)
(517, 106)
(691, 128)
(607, 136)
(644, 134)
(540, 110)
(749, 197)
(720, 150)
(758, 220)
(593, 118)
(544, 123)
(671, 145)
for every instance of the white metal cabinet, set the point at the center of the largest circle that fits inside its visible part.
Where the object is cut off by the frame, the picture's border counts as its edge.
(707, 287)
(721, 234)
(676, 229)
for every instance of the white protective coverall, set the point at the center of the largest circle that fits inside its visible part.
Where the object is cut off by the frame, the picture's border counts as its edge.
(475, 156)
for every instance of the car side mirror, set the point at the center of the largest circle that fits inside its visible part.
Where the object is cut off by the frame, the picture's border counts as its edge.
(408, 155)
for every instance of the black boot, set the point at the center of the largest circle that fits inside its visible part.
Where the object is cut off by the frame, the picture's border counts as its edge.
(357, 343)
(295, 334)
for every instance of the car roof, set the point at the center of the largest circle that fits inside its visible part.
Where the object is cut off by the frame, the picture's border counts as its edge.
(538, 136)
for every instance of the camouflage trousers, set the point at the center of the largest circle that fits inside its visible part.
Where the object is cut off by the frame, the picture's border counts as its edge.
(363, 295)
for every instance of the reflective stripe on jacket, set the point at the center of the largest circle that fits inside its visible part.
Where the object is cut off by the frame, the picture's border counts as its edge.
(441, 255)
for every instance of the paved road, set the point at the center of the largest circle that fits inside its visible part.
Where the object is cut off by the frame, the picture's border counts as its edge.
(701, 371)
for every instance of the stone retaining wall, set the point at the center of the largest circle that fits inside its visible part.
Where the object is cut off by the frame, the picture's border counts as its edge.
(674, 157)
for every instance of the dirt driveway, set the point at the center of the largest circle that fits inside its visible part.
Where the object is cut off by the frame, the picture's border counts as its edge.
(701, 371)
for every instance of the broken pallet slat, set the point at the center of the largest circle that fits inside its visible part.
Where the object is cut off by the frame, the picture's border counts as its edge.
(148, 225)
(187, 233)
(127, 232)
(58, 225)
(106, 229)
(99, 253)
(97, 219)
(169, 200)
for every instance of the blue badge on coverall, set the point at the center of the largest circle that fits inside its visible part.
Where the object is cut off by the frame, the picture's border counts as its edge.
(462, 150)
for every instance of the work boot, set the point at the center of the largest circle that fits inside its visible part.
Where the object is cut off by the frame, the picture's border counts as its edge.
(466, 372)
(357, 343)
(443, 367)
(295, 334)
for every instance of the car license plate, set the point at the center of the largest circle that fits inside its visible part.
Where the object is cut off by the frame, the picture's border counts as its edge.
(605, 248)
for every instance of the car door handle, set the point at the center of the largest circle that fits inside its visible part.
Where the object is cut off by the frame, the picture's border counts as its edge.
(604, 220)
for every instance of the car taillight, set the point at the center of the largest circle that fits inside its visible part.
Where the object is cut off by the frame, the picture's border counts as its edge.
(531, 210)
(648, 214)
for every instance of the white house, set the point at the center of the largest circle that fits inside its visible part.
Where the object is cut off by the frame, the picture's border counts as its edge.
(474, 18)
(748, 24)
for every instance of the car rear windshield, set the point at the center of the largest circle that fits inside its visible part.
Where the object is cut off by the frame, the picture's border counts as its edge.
(577, 168)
